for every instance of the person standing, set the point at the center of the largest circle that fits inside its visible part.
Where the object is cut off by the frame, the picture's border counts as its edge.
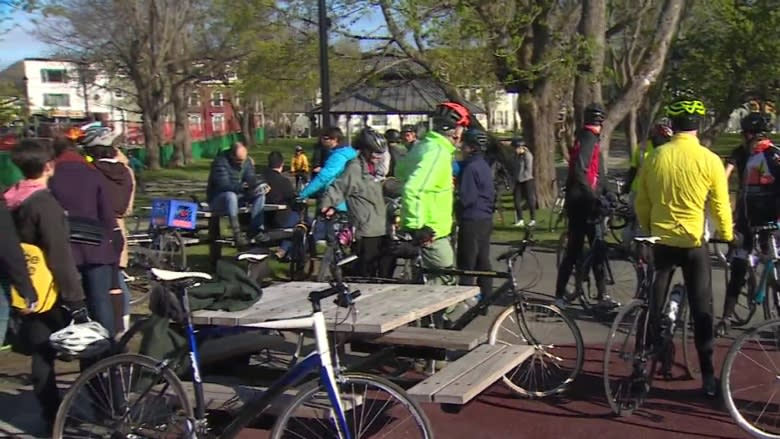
(524, 187)
(409, 134)
(474, 209)
(299, 166)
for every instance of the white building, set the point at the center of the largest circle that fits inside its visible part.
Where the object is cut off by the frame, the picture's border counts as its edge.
(58, 89)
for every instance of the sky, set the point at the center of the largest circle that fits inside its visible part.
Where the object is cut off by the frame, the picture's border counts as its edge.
(19, 42)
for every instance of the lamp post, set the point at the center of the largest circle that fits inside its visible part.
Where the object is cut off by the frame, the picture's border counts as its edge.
(324, 23)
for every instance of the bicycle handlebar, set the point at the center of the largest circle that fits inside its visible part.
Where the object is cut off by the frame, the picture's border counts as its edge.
(770, 227)
(345, 297)
(516, 251)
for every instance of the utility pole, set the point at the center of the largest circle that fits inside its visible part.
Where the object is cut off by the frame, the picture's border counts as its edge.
(324, 24)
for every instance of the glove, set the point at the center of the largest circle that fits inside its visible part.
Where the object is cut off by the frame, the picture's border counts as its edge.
(77, 311)
(423, 236)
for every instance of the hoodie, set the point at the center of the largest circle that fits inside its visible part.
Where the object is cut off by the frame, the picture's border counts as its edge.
(334, 166)
(40, 221)
(120, 185)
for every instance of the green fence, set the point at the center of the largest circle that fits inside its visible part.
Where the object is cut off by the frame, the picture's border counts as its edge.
(208, 148)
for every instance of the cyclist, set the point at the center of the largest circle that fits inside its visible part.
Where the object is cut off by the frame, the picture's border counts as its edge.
(475, 206)
(409, 133)
(757, 162)
(584, 185)
(396, 148)
(299, 166)
(360, 187)
(427, 198)
(675, 184)
(659, 135)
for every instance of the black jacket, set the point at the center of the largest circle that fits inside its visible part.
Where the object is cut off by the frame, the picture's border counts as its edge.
(228, 176)
(476, 191)
(579, 188)
(13, 268)
(282, 192)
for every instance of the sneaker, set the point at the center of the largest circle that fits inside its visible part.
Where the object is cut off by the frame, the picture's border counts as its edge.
(709, 386)
(532, 223)
(520, 223)
(561, 303)
(608, 302)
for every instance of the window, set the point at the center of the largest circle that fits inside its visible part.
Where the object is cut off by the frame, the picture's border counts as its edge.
(193, 100)
(53, 75)
(218, 122)
(216, 99)
(379, 120)
(56, 100)
(194, 120)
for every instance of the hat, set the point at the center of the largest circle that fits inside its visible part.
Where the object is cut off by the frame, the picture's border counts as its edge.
(298, 148)
(517, 142)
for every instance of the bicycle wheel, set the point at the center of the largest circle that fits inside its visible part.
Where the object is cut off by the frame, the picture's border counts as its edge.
(110, 400)
(746, 306)
(770, 300)
(621, 279)
(560, 247)
(558, 348)
(749, 380)
(690, 356)
(374, 407)
(628, 370)
(172, 251)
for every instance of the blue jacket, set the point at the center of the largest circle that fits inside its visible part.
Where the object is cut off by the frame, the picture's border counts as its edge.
(226, 176)
(476, 192)
(334, 166)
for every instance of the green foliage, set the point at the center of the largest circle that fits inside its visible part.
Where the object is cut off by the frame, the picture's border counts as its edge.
(727, 52)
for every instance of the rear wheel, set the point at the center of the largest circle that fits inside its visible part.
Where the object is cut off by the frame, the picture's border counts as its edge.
(621, 280)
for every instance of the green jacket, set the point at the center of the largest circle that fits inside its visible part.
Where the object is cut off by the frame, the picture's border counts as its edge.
(362, 193)
(427, 198)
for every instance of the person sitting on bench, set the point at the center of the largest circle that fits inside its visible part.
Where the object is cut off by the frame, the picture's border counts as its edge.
(232, 178)
(282, 192)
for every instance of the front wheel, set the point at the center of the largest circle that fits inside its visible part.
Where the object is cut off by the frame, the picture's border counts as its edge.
(373, 408)
(558, 348)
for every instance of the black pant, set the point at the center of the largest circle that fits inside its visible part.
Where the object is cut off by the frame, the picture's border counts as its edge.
(34, 332)
(374, 258)
(697, 274)
(474, 251)
(525, 190)
(579, 227)
(739, 265)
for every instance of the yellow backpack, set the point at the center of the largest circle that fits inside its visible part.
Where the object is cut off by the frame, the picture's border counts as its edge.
(42, 281)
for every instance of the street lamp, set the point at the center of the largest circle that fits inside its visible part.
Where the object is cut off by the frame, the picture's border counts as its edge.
(324, 23)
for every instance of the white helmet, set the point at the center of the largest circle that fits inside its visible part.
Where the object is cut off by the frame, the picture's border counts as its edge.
(100, 137)
(82, 340)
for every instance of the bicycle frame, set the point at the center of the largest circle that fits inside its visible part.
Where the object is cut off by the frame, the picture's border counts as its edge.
(770, 266)
(319, 360)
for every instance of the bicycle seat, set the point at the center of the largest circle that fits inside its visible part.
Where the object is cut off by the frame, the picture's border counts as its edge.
(647, 239)
(252, 256)
(166, 275)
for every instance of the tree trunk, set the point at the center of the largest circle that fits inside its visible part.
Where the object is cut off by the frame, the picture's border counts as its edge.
(182, 145)
(630, 125)
(538, 114)
(593, 27)
(152, 127)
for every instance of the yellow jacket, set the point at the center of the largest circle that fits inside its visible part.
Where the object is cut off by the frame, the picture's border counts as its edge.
(675, 183)
(300, 163)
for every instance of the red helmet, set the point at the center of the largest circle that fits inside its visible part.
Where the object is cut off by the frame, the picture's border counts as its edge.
(660, 134)
(449, 115)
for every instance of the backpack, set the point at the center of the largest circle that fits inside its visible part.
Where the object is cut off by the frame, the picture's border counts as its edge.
(762, 166)
(42, 281)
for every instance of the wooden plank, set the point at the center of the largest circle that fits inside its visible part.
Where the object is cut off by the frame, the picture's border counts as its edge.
(435, 338)
(476, 380)
(426, 390)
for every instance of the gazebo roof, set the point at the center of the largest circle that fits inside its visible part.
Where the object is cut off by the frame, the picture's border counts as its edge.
(392, 95)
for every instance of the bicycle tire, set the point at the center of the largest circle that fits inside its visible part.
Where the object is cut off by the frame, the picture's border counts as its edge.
(621, 294)
(690, 357)
(310, 389)
(639, 321)
(541, 349)
(770, 309)
(726, 377)
(111, 363)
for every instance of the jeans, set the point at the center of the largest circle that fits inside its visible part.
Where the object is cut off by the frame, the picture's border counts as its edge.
(97, 281)
(125, 292)
(226, 203)
(288, 221)
(474, 251)
(5, 310)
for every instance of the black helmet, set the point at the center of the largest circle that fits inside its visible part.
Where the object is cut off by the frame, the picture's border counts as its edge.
(756, 123)
(392, 136)
(517, 142)
(594, 114)
(476, 138)
(408, 129)
(449, 115)
(370, 140)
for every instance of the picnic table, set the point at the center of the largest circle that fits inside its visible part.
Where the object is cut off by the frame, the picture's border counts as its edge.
(384, 312)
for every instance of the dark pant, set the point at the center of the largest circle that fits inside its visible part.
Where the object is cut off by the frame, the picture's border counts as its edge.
(739, 265)
(697, 274)
(97, 280)
(374, 258)
(525, 190)
(579, 228)
(34, 332)
(474, 251)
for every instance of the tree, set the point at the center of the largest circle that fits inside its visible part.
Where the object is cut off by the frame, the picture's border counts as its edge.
(725, 56)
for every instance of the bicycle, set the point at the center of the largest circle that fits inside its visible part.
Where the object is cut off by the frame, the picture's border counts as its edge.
(763, 288)
(514, 326)
(332, 395)
(558, 211)
(156, 247)
(644, 349)
(749, 380)
(621, 285)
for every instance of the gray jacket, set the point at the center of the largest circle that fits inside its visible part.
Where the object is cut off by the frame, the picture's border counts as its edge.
(363, 195)
(524, 167)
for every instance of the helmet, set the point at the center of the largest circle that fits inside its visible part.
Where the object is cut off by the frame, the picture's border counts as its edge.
(660, 134)
(476, 138)
(369, 139)
(517, 142)
(756, 123)
(298, 148)
(82, 340)
(686, 114)
(594, 114)
(100, 137)
(392, 136)
(449, 115)
(408, 129)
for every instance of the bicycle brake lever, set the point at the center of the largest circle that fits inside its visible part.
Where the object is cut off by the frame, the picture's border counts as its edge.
(345, 300)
